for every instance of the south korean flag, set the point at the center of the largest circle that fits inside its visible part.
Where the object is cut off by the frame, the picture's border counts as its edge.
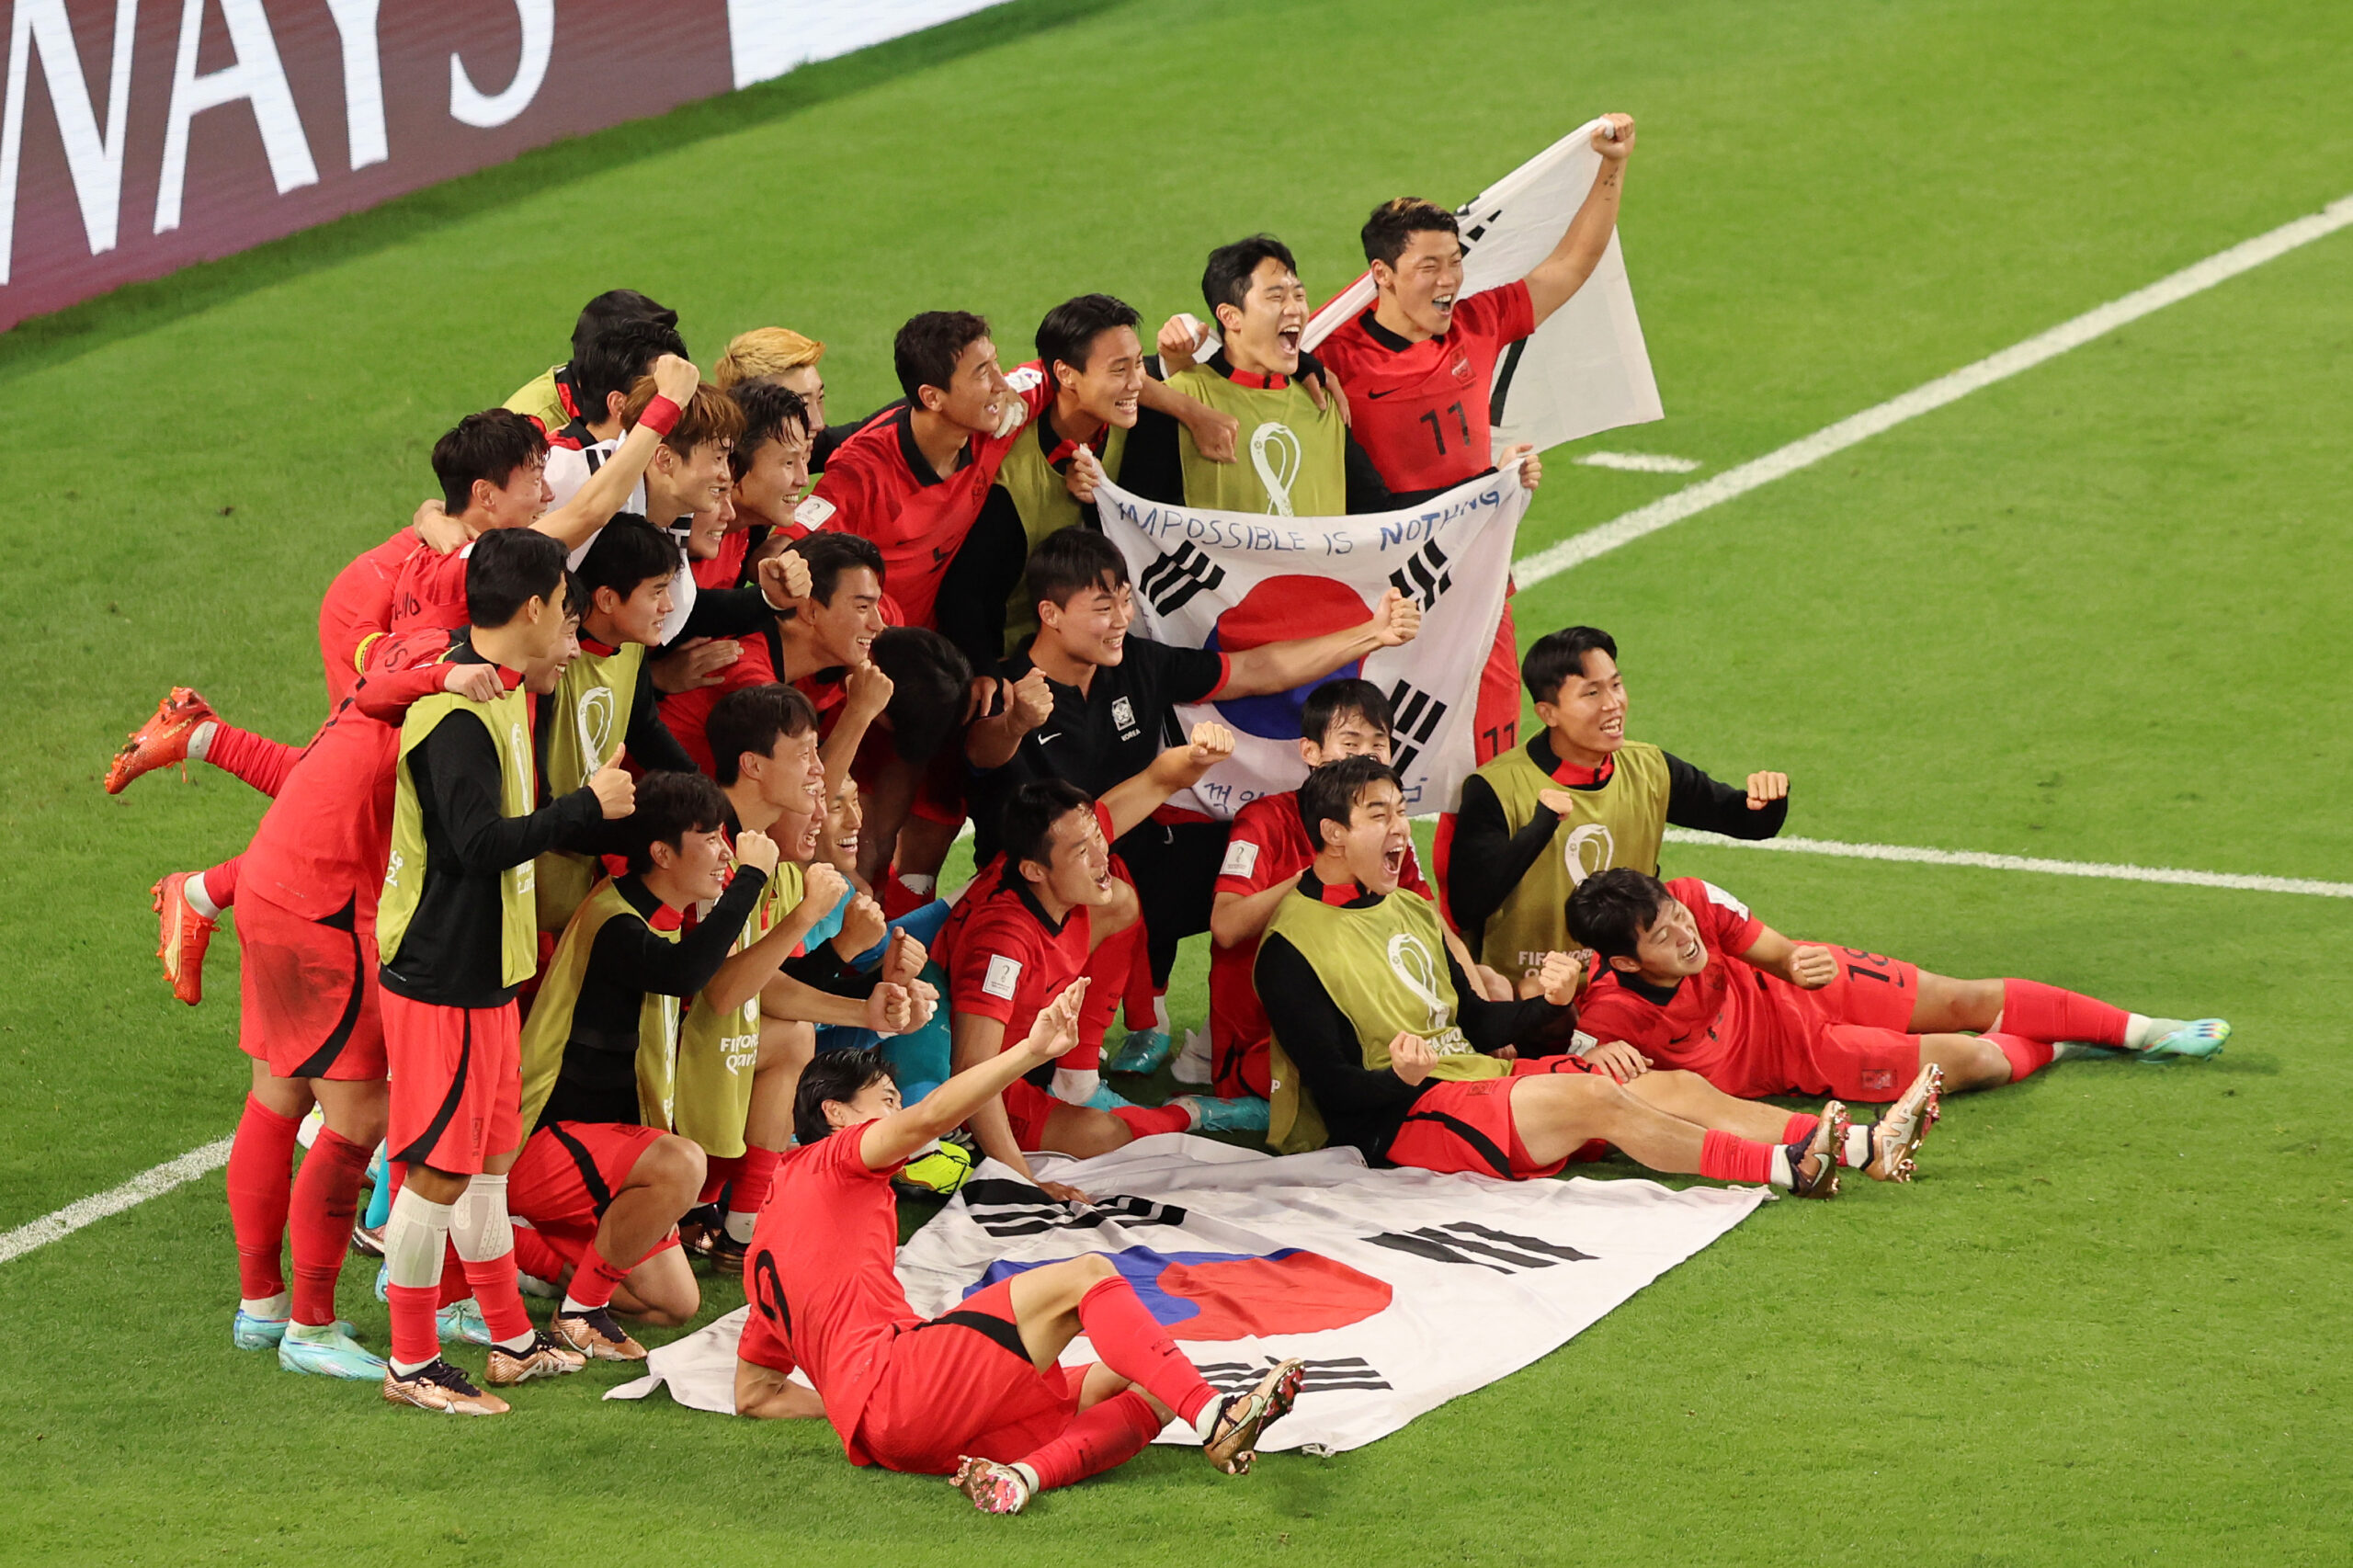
(1230, 581)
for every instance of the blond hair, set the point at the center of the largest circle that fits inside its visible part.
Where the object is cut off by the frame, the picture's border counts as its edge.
(765, 351)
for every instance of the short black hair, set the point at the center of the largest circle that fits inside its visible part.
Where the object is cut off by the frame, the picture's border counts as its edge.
(840, 1075)
(829, 554)
(1560, 655)
(1335, 699)
(615, 359)
(1609, 910)
(627, 553)
(751, 718)
(1394, 224)
(1026, 826)
(930, 682)
(1074, 561)
(1330, 792)
(927, 348)
(1226, 279)
(768, 406)
(1067, 335)
(669, 806)
(490, 445)
(617, 305)
(506, 569)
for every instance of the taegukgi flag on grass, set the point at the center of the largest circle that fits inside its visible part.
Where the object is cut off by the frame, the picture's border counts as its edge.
(1587, 369)
(1400, 1289)
(1234, 580)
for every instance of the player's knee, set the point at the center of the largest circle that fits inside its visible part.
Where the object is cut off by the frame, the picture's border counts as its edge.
(1095, 1265)
(672, 1164)
(674, 1306)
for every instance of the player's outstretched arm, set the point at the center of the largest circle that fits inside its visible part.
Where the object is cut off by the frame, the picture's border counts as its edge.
(1279, 667)
(746, 974)
(593, 505)
(1562, 273)
(895, 1137)
(1131, 801)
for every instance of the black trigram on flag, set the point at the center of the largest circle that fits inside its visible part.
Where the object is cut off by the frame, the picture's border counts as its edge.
(1473, 224)
(1337, 1372)
(1171, 581)
(1415, 717)
(1460, 1240)
(1004, 1208)
(1424, 578)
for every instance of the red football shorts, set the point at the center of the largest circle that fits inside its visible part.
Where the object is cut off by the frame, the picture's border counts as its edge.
(1026, 1107)
(961, 1384)
(457, 1082)
(1495, 710)
(308, 994)
(1853, 1033)
(1871, 989)
(1465, 1124)
(569, 1170)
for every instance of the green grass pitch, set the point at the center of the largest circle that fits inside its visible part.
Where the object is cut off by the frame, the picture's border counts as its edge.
(2094, 612)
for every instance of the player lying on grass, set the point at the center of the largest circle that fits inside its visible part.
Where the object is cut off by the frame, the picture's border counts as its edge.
(1577, 798)
(1381, 1042)
(978, 1393)
(1035, 920)
(1695, 982)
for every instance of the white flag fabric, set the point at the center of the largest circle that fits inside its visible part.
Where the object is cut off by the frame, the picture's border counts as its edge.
(1583, 371)
(1401, 1288)
(1234, 580)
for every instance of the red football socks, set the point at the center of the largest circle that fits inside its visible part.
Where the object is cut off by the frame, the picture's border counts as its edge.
(754, 1176)
(537, 1256)
(256, 759)
(2026, 1057)
(593, 1281)
(1097, 1438)
(1132, 1344)
(326, 1194)
(717, 1171)
(1726, 1157)
(2035, 1011)
(221, 883)
(1144, 1120)
(1800, 1127)
(261, 1159)
(415, 1339)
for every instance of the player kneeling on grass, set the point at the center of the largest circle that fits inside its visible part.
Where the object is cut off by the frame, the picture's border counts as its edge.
(976, 1393)
(1381, 1042)
(1696, 981)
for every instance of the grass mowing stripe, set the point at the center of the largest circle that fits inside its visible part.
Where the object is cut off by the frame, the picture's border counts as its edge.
(1856, 428)
(2112, 872)
(147, 1184)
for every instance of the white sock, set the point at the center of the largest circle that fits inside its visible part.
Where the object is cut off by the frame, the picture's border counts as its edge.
(481, 1232)
(1076, 1085)
(199, 740)
(1192, 1104)
(1857, 1152)
(2141, 1031)
(740, 1226)
(197, 899)
(1785, 1175)
(270, 1307)
(1160, 1015)
(413, 1237)
(1029, 1477)
(1205, 1424)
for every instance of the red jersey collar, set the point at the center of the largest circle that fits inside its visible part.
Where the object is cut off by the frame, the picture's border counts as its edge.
(1249, 379)
(1060, 449)
(1350, 895)
(1570, 775)
(602, 649)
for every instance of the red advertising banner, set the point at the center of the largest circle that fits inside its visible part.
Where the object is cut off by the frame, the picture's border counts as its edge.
(141, 135)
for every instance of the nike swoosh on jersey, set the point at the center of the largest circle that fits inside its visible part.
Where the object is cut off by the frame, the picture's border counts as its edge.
(1377, 396)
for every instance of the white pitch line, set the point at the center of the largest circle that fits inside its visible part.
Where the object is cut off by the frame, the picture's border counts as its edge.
(1919, 857)
(1638, 462)
(147, 1184)
(1670, 509)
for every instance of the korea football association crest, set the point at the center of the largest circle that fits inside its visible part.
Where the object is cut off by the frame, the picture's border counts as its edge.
(1123, 714)
(1589, 850)
(1275, 453)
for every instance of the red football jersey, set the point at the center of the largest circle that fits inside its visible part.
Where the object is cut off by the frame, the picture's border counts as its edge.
(1419, 410)
(686, 714)
(883, 491)
(324, 842)
(722, 570)
(430, 594)
(820, 1278)
(1714, 1017)
(359, 606)
(1268, 845)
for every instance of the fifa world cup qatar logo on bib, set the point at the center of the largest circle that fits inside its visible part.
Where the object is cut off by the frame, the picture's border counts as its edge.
(1411, 963)
(1275, 453)
(1587, 850)
(596, 719)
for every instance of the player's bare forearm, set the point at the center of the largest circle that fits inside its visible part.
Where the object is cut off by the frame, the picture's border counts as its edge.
(990, 742)
(1771, 952)
(1552, 282)
(797, 1001)
(840, 748)
(1238, 917)
(984, 1071)
(1280, 667)
(576, 522)
(762, 1394)
(746, 975)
